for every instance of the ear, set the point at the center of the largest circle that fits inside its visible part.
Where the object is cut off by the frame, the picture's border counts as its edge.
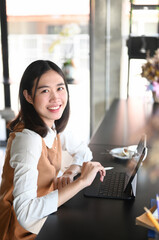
(27, 96)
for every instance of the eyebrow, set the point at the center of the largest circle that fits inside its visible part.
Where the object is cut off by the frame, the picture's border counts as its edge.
(46, 86)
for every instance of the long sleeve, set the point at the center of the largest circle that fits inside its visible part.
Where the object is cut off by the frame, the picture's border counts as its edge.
(75, 147)
(25, 153)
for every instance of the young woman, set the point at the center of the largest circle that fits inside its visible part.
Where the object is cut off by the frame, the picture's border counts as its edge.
(32, 184)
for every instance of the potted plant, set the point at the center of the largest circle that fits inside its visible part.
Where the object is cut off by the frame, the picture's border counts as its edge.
(150, 70)
(68, 69)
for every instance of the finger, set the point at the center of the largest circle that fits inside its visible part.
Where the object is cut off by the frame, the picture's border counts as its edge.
(69, 180)
(101, 178)
(103, 172)
(64, 182)
(102, 175)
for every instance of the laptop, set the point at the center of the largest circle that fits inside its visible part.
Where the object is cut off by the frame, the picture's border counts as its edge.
(119, 184)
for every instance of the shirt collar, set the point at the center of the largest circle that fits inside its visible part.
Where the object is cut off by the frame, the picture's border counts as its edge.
(50, 137)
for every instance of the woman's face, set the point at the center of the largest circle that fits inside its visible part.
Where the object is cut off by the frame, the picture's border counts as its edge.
(51, 97)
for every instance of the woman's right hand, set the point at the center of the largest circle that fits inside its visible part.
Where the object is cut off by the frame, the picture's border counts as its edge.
(89, 171)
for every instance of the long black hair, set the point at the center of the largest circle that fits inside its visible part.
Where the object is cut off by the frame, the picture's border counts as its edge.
(28, 117)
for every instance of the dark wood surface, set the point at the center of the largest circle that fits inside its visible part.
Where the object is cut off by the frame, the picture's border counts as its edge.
(84, 218)
(124, 123)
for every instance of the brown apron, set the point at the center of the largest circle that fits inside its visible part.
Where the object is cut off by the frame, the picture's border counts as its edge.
(48, 167)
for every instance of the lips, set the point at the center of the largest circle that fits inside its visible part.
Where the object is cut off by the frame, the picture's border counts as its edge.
(55, 108)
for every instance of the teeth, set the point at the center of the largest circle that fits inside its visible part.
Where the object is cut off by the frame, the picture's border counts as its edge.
(54, 108)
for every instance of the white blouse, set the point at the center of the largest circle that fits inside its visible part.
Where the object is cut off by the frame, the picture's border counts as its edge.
(32, 211)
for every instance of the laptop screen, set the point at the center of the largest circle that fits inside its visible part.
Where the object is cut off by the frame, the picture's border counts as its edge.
(134, 163)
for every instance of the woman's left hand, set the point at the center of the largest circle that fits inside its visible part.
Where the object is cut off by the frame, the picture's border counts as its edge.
(67, 176)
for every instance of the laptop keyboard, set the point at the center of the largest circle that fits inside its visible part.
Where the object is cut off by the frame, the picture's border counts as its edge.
(113, 185)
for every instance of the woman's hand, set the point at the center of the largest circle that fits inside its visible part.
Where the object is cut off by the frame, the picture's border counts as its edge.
(89, 171)
(67, 176)
(62, 181)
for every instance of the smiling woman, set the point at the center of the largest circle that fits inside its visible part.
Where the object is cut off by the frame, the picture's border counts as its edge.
(49, 98)
(33, 185)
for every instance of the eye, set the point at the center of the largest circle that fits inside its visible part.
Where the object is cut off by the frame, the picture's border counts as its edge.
(60, 88)
(45, 91)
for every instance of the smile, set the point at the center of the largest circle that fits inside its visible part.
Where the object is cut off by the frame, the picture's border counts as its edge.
(54, 108)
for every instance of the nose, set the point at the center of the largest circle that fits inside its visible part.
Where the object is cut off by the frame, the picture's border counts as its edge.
(53, 95)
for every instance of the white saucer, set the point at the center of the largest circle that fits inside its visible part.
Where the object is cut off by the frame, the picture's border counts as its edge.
(118, 152)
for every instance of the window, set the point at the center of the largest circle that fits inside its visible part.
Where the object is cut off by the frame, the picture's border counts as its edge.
(144, 27)
(53, 30)
(36, 32)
